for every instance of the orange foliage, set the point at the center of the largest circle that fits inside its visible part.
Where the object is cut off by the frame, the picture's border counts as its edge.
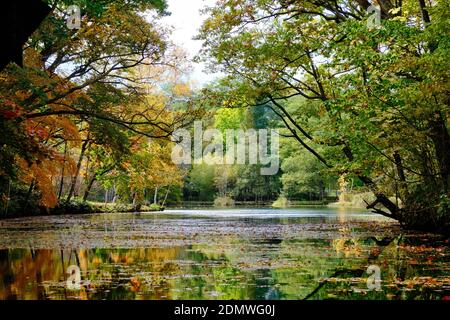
(42, 172)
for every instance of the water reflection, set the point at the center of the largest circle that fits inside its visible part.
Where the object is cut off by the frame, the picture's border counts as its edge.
(226, 258)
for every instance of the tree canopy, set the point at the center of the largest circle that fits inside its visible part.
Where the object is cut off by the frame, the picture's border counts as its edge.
(104, 91)
(376, 96)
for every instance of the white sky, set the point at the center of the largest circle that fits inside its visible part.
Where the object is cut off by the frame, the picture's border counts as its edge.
(186, 20)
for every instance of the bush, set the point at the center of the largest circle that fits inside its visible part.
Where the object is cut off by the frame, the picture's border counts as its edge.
(223, 202)
(281, 202)
(355, 200)
(119, 207)
(155, 207)
(73, 207)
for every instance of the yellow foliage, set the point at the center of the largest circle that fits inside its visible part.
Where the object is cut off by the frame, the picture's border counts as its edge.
(32, 58)
(181, 89)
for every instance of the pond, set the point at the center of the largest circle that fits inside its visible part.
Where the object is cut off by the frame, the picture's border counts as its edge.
(304, 253)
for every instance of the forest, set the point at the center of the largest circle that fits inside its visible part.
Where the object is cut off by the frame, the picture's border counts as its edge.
(225, 150)
(361, 106)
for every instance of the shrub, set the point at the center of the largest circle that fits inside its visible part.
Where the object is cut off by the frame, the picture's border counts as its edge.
(223, 202)
(281, 202)
(154, 207)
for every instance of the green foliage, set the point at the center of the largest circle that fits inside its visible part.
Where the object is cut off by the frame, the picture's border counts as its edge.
(98, 7)
(223, 201)
(200, 183)
(242, 182)
(154, 207)
(375, 101)
(281, 202)
(303, 174)
(230, 119)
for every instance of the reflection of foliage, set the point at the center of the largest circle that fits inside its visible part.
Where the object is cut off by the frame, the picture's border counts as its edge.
(347, 245)
(236, 268)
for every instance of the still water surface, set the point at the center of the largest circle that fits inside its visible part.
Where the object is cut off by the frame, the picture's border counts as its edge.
(312, 253)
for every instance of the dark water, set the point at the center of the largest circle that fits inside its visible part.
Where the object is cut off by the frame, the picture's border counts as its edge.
(319, 253)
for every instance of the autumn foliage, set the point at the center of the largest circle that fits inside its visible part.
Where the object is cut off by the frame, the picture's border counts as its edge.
(88, 106)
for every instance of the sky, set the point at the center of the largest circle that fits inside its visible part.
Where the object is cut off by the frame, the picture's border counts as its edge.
(186, 20)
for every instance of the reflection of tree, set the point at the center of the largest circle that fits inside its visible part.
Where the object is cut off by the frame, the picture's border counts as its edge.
(235, 268)
(347, 246)
(39, 274)
(19, 266)
(405, 274)
(357, 272)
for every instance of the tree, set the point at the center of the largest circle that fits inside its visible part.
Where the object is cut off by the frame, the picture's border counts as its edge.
(199, 184)
(79, 90)
(369, 88)
(303, 175)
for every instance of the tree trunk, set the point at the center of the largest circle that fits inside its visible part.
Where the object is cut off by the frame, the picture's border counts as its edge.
(30, 191)
(77, 172)
(115, 194)
(155, 196)
(88, 188)
(441, 141)
(423, 10)
(394, 211)
(401, 177)
(8, 197)
(165, 197)
(61, 182)
(93, 179)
